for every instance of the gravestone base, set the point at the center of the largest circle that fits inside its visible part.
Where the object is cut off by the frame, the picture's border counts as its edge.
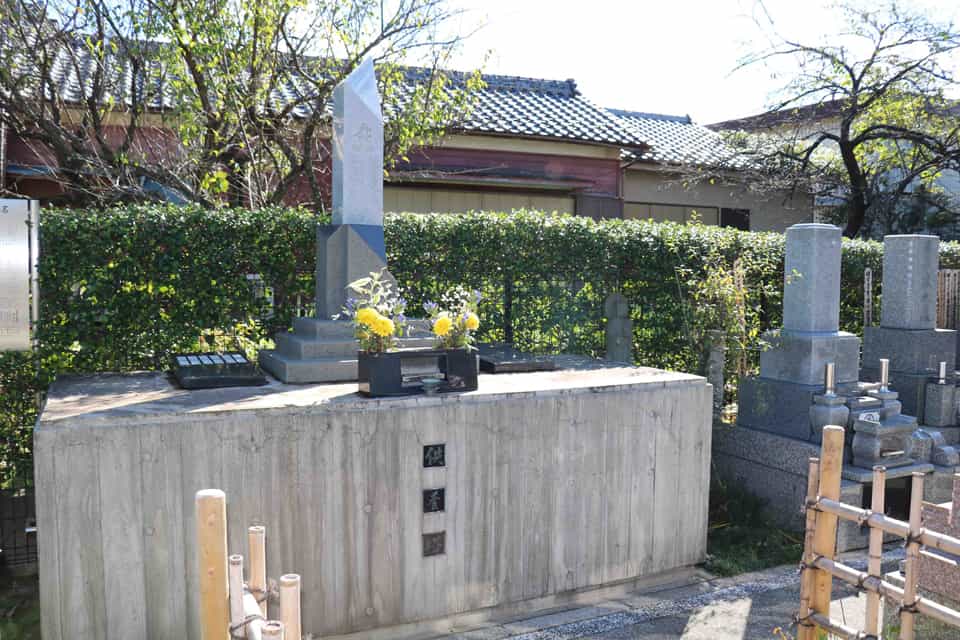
(325, 351)
(783, 407)
(911, 351)
(910, 386)
(800, 358)
(774, 468)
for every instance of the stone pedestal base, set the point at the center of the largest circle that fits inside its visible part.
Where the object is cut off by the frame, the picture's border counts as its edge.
(910, 351)
(324, 351)
(910, 387)
(782, 407)
(800, 358)
(775, 468)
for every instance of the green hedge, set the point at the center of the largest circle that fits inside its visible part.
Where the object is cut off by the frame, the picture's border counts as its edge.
(122, 288)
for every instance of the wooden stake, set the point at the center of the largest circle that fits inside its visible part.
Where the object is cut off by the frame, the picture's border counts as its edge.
(875, 557)
(273, 630)
(211, 512)
(913, 559)
(257, 538)
(236, 595)
(805, 631)
(290, 605)
(825, 532)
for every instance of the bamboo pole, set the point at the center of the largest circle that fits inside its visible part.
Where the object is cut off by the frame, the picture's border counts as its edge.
(257, 538)
(875, 554)
(825, 531)
(911, 565)
(236, 595)
(806, 630)
(290, 605)
(876, 585)
(893, 526)
(840, 629)
(273, 630)
(211, 512)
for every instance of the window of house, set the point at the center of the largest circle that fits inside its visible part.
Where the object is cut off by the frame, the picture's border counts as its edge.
(736, 218)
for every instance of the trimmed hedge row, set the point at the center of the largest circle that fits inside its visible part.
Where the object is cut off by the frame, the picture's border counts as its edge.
(124, 287)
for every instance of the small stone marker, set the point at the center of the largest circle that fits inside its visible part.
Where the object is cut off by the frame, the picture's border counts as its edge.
(619, 328)
(910, 264)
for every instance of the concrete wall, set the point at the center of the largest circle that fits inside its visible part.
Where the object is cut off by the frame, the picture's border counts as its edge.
(649, 185)
(554, 482)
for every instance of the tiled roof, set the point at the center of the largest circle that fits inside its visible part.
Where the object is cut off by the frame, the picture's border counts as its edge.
(675, 139)
(507, 105)
(530, 107)
(788, 116)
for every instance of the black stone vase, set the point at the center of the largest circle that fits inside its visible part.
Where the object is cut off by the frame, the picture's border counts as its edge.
(382, 374)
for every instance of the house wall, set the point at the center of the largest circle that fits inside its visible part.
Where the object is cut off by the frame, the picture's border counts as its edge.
(440, 200)
(644, 188)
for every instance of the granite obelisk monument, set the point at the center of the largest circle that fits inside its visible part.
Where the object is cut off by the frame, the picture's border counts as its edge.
(322, 349)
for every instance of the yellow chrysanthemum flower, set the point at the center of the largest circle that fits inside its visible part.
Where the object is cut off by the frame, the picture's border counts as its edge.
(473, 321)
(442, 325)
(367, 316)
(383, 327)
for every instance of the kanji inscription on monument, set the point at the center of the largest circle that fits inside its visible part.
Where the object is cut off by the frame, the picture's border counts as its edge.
(15, 231)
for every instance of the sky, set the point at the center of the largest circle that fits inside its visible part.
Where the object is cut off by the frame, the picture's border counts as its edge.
(660, 56)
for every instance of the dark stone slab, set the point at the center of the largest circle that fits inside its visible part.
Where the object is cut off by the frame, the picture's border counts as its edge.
(780, 407)
(503, 358)
(911, 387)
(909, 351)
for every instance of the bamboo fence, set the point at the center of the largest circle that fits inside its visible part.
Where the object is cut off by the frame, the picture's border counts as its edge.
(229, 607)
(823, 511)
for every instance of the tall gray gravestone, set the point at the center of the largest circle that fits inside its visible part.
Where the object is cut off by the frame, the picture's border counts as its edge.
(907, 335)
(792, 365)
(322, 349)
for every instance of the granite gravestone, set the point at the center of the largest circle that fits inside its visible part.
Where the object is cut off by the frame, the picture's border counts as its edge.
(353, 246)
(907, 335)
(792, 368)
(322, 349)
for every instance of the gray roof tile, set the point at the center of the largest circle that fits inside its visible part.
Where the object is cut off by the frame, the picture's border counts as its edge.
(675, 139)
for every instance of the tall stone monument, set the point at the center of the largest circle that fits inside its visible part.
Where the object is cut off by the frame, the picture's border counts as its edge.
(907, 335)
(321, 349)
(792, 367)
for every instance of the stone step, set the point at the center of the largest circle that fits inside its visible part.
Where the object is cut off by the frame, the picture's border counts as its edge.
(294, 371)
(307, 348)
(343, 329)
(332, 329)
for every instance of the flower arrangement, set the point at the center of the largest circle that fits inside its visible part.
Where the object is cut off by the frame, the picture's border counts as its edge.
(377, 312)
(455, 318)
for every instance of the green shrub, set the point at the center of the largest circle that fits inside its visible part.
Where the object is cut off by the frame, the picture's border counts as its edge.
(124, 287)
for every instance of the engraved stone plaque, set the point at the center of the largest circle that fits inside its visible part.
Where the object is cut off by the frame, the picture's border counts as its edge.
(15, 232)
(434, 544)
(434, 500)
(434, 455)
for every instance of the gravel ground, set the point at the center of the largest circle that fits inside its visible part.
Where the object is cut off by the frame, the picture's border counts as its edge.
(744, 607)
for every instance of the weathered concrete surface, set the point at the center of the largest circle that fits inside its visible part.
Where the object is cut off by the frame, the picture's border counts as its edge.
(555, 481)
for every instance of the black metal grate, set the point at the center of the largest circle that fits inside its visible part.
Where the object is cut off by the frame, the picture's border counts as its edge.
(18, 529)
